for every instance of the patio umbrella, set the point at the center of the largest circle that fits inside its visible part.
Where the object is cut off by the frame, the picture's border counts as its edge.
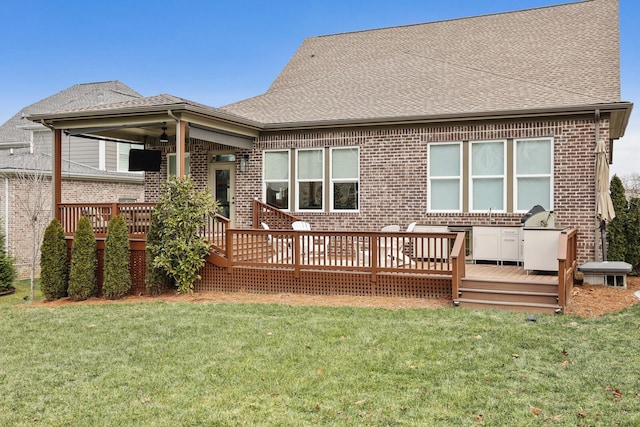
(604, 206)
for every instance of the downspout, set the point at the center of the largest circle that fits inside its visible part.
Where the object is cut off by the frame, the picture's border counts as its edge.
(6, 215)
(595, 183)
(180, 148)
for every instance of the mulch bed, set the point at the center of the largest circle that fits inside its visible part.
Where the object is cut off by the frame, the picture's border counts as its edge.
(586, 301)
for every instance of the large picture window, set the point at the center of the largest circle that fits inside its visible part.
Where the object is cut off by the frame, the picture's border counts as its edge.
(488, 183)
(533, 173)
(276, 178)
(310, 177)
(345, 179)
(445, 177)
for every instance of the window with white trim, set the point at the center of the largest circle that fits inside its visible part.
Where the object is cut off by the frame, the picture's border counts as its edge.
(488, 176)
(533, 173)
(309, 179)
(445, 177)
(345, 179)
(275, 180)
(172, 167)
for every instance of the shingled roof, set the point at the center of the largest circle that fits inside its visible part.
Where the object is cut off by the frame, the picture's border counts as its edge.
(549, 57)
(79, 96)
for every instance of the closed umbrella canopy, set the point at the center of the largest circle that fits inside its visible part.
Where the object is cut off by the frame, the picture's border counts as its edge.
(604, 206)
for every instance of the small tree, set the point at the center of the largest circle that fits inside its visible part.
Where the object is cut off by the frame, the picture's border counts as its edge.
(82, 277)
(633, 234)
(7, 266)
(54, 271)
(617, 238)
(117, 277)
(182, 211)
(155, 278)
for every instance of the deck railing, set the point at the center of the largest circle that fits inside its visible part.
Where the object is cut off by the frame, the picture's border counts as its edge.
(136, 215)
(567, 264)
(373, 252)
(458, 261)
(274, 217)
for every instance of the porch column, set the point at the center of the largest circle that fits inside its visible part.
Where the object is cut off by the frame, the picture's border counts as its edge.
(181, 130)
(56, 173)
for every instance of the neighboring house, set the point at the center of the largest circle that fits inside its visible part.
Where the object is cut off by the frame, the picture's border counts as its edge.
(93, 169)
(454, 123)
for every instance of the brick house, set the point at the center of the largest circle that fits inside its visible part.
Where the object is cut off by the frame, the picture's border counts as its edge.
(456, 123)
(93, 169)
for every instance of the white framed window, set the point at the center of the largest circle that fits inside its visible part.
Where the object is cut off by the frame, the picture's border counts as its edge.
(275, 179)
(172, 167)
(345, 179)
(310, 179)
(487, 177)
(444, 186)
(533, 173)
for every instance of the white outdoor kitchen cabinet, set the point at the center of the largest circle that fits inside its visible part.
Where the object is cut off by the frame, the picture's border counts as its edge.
(541, 248)
(497, 243)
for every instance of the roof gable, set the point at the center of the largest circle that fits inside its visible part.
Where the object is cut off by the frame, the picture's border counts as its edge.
(554, 56)
(78, 96)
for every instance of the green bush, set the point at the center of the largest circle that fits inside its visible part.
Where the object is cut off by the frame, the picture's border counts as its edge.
(182, 212)
(54, 268)
(82, 277)
(117, 277)
(7, 266)
(155, 279)
(633, 234)
(617, 238)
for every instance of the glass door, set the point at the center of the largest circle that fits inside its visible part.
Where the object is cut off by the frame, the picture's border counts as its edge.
(223, 184)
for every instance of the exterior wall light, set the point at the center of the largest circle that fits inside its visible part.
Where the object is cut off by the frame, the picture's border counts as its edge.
(244, 163)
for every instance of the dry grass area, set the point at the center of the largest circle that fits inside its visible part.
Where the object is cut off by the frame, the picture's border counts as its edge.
(586, 301)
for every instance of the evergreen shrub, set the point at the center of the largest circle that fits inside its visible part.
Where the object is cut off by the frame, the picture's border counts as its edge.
(117, 276)
(54, 267)
(82, 276)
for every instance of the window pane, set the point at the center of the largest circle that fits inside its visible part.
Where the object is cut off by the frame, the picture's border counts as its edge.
(488, 193)
(171, 164)
(276, 165)
(344, 163)
(345, 195)
(310, 195)
(533, 157)
(487, 158)
(534, 191)
(445, 194)
(123, 156)
(310, 164)
(444, 160)
(278, 194)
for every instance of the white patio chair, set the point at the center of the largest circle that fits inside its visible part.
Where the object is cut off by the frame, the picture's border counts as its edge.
(395, 248)
(281, 246)
(311, 246)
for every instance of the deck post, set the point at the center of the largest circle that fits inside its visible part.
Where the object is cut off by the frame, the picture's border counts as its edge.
(56, 173)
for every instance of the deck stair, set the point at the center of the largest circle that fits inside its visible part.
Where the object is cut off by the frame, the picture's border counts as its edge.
(529, 294)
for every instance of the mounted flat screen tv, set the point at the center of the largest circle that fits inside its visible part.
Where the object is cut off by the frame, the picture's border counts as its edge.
(144, 160)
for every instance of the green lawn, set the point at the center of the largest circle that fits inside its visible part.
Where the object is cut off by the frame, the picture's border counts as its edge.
(161, 364)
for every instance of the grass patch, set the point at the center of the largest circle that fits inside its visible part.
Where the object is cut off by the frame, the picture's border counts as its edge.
(21, 295)
(159, 364)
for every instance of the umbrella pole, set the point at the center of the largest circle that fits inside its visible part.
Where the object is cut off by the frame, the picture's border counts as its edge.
(603, 240)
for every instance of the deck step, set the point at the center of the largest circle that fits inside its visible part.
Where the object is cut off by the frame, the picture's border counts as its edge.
(519, 296)
(508, 305)
(509, 285)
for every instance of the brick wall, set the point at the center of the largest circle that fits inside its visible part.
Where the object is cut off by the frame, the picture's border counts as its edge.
(393, 174)
(73, 191)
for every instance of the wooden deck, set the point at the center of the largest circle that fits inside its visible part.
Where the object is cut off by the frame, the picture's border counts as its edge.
(283, 260)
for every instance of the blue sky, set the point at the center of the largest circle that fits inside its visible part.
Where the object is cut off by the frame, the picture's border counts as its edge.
(216, 52)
